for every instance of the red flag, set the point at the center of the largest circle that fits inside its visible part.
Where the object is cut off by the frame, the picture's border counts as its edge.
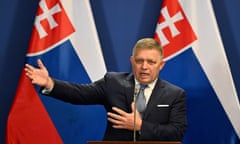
(173, 29)
(28, 121)
(192, 24)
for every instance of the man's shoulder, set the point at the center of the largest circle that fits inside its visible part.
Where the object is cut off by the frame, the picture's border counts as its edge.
(170, 85)
(118, 74)
(119, 79)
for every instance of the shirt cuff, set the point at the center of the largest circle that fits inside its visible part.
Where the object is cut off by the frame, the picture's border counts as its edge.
(46, 91)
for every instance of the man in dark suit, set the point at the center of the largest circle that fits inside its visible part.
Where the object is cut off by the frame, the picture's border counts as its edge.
(164, 115)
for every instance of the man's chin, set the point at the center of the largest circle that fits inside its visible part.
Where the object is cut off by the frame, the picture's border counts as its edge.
(145, 80)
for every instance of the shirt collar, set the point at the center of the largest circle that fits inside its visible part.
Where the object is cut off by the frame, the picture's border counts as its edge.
(150, 85)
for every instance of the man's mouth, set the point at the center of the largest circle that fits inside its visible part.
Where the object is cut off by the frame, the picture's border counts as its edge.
(144, 74)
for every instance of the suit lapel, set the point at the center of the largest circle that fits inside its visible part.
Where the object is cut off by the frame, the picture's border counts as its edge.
(154, 98)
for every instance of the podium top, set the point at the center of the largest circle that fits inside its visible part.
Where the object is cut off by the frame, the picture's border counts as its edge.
(131, 142)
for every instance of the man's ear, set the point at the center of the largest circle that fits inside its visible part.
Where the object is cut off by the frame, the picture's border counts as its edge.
(162, 65)
(132, 59)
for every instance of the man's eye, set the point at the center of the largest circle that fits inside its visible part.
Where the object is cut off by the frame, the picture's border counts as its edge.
(151, 62)
(139, 61)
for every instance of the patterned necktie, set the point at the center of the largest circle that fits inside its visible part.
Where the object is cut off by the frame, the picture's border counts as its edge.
(141, 99)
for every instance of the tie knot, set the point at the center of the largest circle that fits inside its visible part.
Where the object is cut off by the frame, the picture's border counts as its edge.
(143, 86)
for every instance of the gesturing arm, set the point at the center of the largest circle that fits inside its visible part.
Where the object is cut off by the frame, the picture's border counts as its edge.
(39, 76)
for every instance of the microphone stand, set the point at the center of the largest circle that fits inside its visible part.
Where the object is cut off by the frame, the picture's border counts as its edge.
(136, 93)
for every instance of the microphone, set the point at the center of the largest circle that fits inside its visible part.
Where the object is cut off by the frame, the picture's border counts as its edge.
(135, 95)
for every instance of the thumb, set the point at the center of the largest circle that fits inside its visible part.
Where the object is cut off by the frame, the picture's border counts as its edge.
(133, 106)
(40, 64)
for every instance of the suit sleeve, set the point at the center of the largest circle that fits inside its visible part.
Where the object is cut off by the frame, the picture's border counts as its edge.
(84, 94)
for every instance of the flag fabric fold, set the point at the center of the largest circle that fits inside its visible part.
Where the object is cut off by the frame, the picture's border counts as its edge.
(65, 38)
(28, 121)
(189, 33)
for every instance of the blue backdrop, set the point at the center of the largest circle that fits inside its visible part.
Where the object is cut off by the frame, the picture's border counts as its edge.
(119, 23)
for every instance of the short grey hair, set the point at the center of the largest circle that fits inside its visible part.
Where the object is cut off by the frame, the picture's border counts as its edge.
(148, 43)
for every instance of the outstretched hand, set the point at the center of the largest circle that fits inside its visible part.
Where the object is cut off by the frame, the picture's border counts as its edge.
(124, 120)
(39, 76)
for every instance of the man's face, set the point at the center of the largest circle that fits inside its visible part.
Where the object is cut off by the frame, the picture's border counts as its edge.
(146, 65)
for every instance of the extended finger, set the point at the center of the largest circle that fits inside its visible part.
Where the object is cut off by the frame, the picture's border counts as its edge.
(121, 112)
(114, 121)
(114, 116)
(118, 126)
(40, 64)
(29, 68)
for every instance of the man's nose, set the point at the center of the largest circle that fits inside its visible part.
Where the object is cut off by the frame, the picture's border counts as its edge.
(144, 65)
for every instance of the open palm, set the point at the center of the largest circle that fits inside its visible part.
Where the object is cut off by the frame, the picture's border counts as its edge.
(38, 76)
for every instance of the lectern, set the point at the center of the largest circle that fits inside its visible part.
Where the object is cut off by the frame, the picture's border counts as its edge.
(131, 142)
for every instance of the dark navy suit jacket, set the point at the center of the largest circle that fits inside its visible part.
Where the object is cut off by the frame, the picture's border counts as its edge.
(164, 118)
